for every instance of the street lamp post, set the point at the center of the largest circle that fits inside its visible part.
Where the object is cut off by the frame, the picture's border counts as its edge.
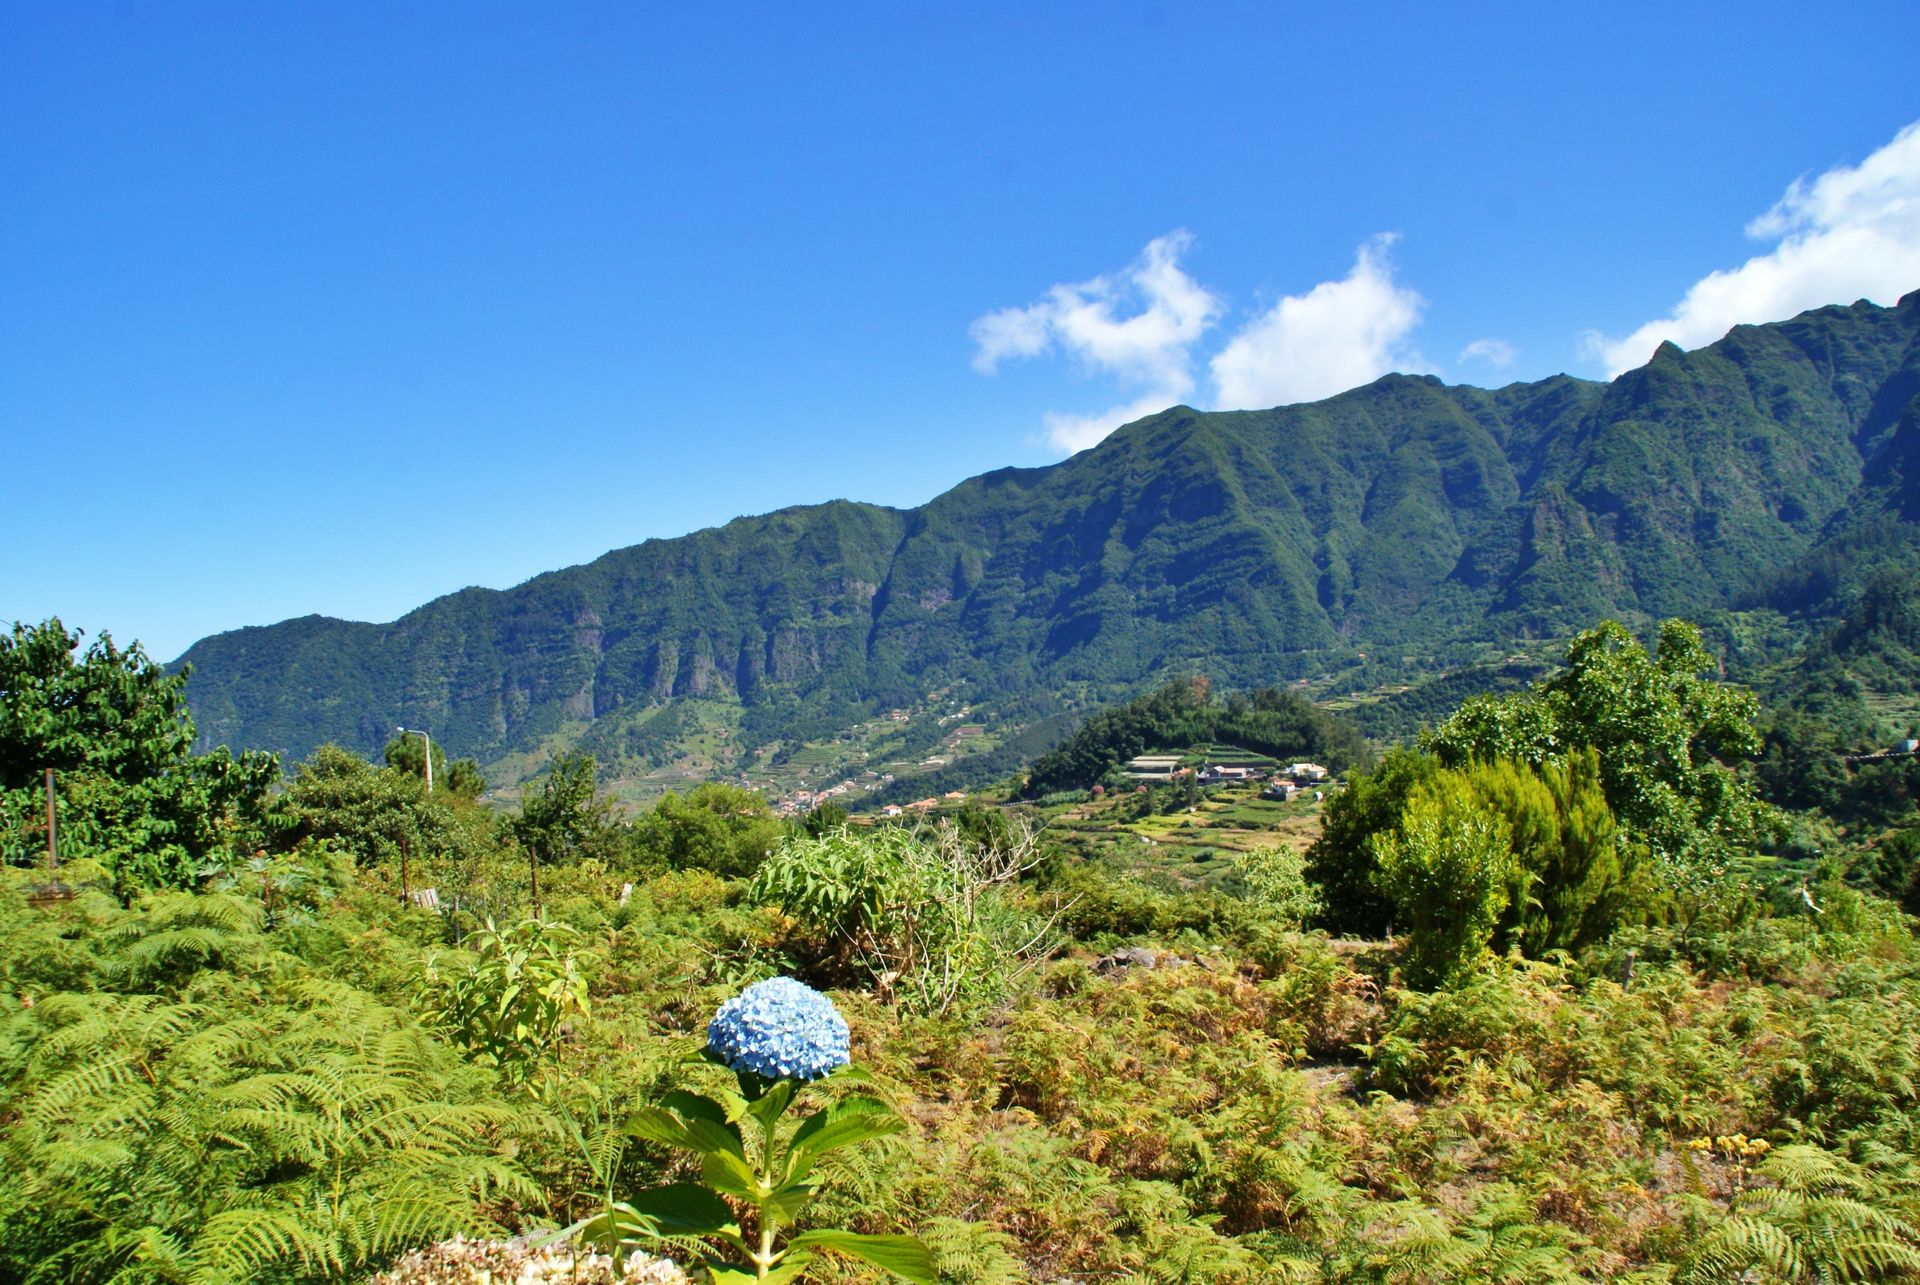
(406, 893)
(428, 746)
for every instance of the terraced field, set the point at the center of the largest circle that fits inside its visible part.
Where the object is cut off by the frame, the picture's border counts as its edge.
(1186, 848)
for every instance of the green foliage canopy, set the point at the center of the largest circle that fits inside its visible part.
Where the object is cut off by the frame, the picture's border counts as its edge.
(1617, 755)
(563, 819)
(1499, 854)
(1669, 742)
(114, 727)
(715, 826)
(1447, 867)
(1574, 875)
(1341, 861)
(461, 777)
(376, 813)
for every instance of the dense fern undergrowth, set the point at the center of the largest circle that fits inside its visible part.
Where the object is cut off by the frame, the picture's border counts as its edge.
(1672, 1034)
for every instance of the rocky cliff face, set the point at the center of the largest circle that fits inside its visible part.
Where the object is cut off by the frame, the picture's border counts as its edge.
(1250, 544)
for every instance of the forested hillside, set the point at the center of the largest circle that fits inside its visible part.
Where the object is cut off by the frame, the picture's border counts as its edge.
(1269, 722)
(1406, 521)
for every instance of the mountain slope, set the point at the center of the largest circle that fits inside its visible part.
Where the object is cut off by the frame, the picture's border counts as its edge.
(1256, 545)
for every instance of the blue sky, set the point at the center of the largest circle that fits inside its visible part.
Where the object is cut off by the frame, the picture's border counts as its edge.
(338, 307)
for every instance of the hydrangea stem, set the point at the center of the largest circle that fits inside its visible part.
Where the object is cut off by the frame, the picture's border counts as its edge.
(764, 1260)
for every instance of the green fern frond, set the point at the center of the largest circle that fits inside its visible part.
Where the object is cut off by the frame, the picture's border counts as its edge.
(1740, 1245)
(241, 1244)
(402, 1221)
(1809, 1169)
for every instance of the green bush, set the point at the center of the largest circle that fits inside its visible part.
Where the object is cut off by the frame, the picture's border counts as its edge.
(932, 918)
(1342, 861)
(130, 794)
(1099, 906)
(507, 994)
(721, 828)
(1448, 870)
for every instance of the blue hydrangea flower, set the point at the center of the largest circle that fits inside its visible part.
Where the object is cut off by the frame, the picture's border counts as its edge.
(779, 1029)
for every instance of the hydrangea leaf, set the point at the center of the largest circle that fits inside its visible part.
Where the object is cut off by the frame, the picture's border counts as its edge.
(607, 1229)
(770, 1105)
(703, 1137)
(852, 1073)
(854, 1121)
(904, 1256)
(686, 1209)
(695, 1106)
(733, 1105)
(789, 1269)
(723, 1171)
(782, 1208)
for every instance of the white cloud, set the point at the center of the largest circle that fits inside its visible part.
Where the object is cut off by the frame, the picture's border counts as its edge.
(1077, 432)
(1338, 335)
(1142, 326)
(1497, 353)
(1852, 233)
(1138, 325)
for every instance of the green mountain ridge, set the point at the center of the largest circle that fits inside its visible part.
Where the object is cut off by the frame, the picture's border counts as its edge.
(1256, 546)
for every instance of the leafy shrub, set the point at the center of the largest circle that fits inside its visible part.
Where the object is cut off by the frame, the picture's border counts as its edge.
(507, 995)
(1666, 738)
(716, 827)
(1099, 905)
(563, 820)
(928, 915)
(1342, 861)
(1448, 870)
(340, 801)
(1276, 884)
(1892, 866)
